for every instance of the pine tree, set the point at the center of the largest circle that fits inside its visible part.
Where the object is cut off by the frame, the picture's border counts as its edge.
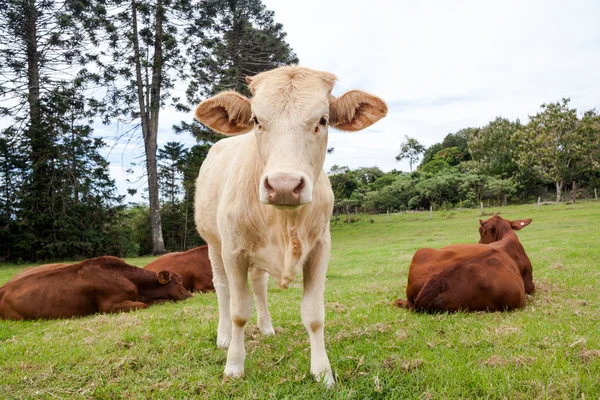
(12, 167)
(239, 38)
(190, 166)
(82, 202)
(41, 86)
(170, 159)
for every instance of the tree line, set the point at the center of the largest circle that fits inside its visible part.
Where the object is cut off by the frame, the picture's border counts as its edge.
(501, 161)
(68, 64)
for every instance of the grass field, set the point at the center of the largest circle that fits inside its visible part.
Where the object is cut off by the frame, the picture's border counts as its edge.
(550, 349)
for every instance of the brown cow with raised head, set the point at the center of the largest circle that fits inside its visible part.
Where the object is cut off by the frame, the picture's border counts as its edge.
(103, 284)
(193, 266)
(493, 275)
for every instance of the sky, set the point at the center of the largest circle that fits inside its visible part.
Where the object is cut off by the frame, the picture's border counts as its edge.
(440, 66)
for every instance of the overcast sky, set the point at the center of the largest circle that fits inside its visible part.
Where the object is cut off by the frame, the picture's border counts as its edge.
(441, 66)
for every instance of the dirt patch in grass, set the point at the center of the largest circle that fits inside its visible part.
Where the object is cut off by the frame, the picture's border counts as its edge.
(507, 329)
(370, 330)
(335, 306)
(587, 356)
(401, 335)
(403, 366)
(542, 286)
(497, 361)
(122, 320)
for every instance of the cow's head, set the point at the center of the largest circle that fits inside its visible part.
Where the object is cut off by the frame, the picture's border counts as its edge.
(290, 113)
(496, 227)
(169, 287)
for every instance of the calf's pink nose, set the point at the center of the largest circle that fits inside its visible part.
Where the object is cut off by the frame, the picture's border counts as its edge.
(284, 189)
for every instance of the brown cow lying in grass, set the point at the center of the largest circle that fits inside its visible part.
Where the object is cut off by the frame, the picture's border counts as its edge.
(193, 266)
(493, 275)
(103, 284)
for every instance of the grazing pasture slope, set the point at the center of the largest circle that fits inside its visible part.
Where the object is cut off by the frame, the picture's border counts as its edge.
(549, 349)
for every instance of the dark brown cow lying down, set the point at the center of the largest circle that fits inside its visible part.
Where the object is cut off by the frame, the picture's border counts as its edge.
(493, 275)
(193, 266)
(103, 284)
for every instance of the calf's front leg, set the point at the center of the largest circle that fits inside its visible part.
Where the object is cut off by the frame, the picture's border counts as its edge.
(240, 310)
(313, 310)
(221, 284)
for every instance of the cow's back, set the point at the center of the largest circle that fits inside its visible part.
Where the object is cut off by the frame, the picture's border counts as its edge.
(464, 277)
(193, 266)
(51, 292)
(36, 270)
(428, 261)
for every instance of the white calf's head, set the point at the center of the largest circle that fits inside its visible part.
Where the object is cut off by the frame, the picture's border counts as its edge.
(290, 113)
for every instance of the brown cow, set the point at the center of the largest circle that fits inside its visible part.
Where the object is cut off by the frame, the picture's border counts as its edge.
(103, 284)
(193, 266)
(493, 275)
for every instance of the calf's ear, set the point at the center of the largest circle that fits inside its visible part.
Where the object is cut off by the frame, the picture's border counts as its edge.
(520, 223)
(228, 113)
(164, 277)
(356, 110)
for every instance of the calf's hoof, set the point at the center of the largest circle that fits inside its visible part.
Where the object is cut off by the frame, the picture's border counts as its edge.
(267, 330)
(326, 377)
(232, 372)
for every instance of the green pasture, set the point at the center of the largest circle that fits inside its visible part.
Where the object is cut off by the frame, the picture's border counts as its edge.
(550, 349)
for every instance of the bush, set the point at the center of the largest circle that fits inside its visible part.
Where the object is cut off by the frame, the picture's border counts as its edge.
(467, 203)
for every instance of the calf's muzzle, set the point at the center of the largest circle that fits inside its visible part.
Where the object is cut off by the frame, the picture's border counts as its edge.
(285, 189)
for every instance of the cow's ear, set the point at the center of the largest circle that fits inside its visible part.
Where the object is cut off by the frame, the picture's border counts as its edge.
(520, 223)
(164, 277)
(356, 110)
(481, 222)
(228, 113)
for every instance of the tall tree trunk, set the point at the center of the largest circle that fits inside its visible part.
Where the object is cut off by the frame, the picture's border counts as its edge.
(559, 187)
(172, 183)
(185, 225)
(574, 192)
(150, 122)
(74, 162)
(41, 144)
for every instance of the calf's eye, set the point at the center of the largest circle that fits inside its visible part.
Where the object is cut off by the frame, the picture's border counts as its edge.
(258, 125)
(322, 122)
